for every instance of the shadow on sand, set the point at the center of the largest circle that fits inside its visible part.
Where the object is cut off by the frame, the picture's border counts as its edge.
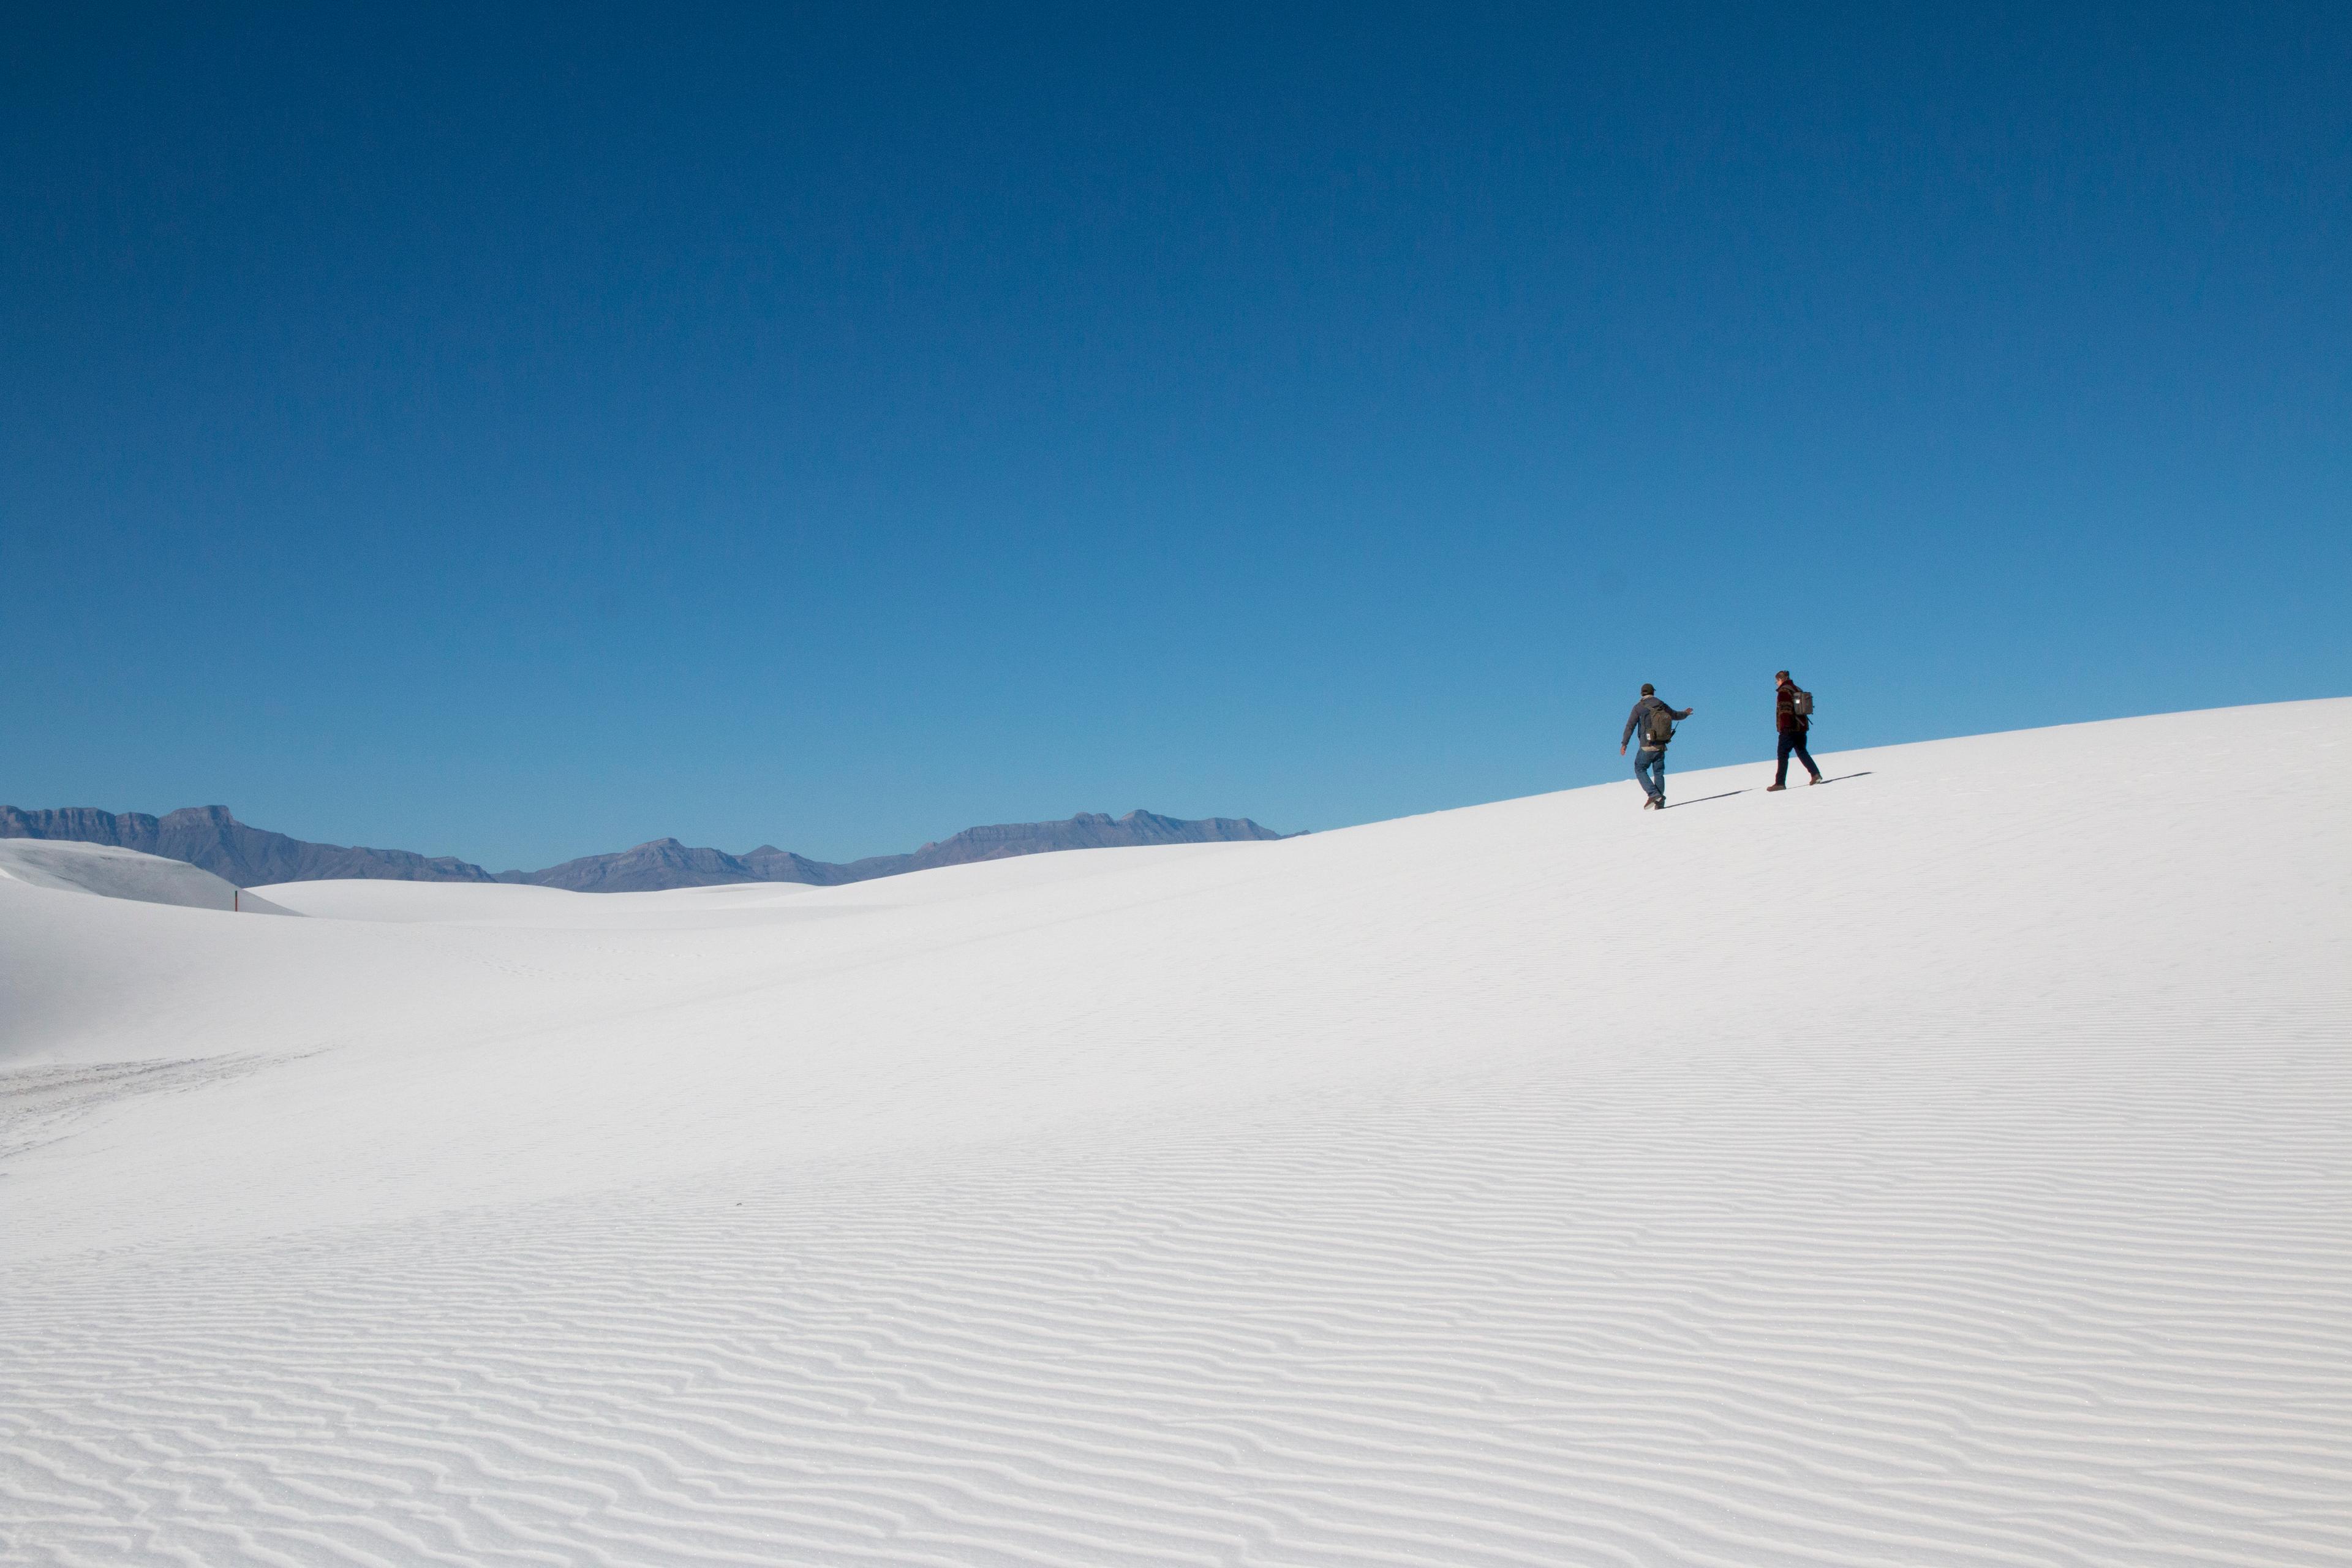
(1727, 794)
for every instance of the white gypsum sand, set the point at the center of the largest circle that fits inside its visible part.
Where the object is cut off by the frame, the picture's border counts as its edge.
(116, 873)
(1945, 1167)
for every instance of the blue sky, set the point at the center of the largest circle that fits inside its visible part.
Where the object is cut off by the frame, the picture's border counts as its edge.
(520, 435)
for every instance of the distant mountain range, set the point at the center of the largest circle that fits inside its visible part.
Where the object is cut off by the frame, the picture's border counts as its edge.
(207, 836)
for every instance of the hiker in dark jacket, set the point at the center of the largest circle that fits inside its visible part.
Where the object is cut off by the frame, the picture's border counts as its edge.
(1792, 725)
(1655, 721)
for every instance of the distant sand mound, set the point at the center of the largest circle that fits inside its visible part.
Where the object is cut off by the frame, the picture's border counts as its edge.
(113, 873)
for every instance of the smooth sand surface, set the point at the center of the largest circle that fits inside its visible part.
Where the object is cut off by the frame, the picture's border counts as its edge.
(1952, 1164)
(110, 872)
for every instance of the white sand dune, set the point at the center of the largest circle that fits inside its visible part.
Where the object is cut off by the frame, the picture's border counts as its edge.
(116, 873)
(501, 904)
(1949, 1166)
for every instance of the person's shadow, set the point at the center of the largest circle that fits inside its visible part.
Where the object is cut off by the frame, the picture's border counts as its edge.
(1727, 794)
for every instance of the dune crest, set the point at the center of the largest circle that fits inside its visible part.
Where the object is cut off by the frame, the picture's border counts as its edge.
(116, 873)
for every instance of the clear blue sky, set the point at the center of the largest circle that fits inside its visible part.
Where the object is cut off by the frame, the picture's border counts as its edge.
(518, 435)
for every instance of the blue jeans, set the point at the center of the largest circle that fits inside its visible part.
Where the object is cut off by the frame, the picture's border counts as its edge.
(1650, 769)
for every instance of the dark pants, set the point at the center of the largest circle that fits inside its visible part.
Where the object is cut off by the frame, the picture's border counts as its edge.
(1794, 741)
(1650, 768)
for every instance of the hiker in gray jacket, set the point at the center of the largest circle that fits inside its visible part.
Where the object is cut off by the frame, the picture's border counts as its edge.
(1656, 723)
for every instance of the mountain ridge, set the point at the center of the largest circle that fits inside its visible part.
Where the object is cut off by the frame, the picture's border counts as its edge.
(211, 837)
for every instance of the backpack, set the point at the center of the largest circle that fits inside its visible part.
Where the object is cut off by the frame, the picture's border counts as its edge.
(1657, 727)
(1801, 703)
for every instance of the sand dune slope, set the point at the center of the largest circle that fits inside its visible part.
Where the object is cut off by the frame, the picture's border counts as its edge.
(116, 873)
(1945, 1167)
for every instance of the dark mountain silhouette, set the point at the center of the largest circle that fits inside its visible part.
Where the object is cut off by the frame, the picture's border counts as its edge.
(207, 836)
(666, 863)
(663, 863)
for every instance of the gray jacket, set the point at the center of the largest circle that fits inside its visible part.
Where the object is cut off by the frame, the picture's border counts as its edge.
(1641, 712)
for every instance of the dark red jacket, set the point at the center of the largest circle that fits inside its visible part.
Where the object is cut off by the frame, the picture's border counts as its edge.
(1785, 717)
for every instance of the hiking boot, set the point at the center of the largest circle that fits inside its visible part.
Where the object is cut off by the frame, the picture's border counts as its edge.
(1770, 788)
(1817, 778)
